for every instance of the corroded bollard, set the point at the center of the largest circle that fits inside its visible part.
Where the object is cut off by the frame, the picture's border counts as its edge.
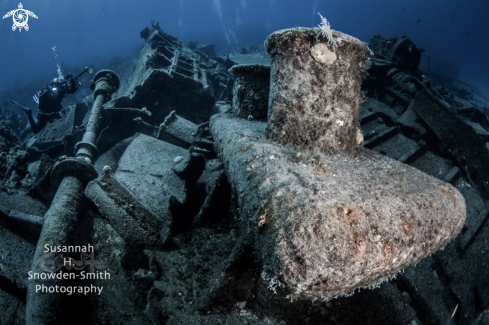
(326, 223)
(250, 91)
(315, 92)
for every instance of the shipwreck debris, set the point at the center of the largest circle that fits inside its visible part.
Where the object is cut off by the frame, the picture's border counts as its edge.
(60, 221)
(189, 237)
(250, 92)
(313, 105)
(326, 224)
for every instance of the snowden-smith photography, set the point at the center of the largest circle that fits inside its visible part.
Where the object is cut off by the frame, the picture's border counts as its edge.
(244, 162)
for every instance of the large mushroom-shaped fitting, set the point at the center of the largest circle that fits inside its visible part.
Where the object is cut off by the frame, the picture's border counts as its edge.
(315, 90)
(104, 82)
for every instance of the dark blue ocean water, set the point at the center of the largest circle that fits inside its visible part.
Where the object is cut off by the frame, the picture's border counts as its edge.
(75, 33)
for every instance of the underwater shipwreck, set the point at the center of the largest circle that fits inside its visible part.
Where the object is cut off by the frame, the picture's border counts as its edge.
(334, 185)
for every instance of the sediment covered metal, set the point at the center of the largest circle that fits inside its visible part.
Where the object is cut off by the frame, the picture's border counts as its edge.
(314, 91)
(59, 228)
(250, 91)
(324, 225)
(61, 220)
(104, 83)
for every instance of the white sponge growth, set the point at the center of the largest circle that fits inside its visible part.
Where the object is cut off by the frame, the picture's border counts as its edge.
(327, 32)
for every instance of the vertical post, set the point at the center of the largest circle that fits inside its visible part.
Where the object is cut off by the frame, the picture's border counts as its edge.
(315, 90)
(250, 91)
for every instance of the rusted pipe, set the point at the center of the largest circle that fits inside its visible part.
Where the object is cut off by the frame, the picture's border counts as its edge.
(59, 227)
(61, 220)
(104, 83)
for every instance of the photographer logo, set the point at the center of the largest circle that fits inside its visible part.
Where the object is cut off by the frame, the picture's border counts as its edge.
(20, 17)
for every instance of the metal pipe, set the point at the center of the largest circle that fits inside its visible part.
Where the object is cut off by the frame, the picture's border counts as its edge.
(104, 83)
(59, 228)
(61, 220)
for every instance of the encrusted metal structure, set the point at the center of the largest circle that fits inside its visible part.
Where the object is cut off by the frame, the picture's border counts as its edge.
(167, 75)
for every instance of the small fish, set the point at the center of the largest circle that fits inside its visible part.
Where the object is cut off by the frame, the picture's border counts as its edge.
(403, 9)
(418, 20)
(455, 310)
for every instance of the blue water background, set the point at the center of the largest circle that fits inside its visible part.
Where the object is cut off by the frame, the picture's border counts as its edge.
(454, 33)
